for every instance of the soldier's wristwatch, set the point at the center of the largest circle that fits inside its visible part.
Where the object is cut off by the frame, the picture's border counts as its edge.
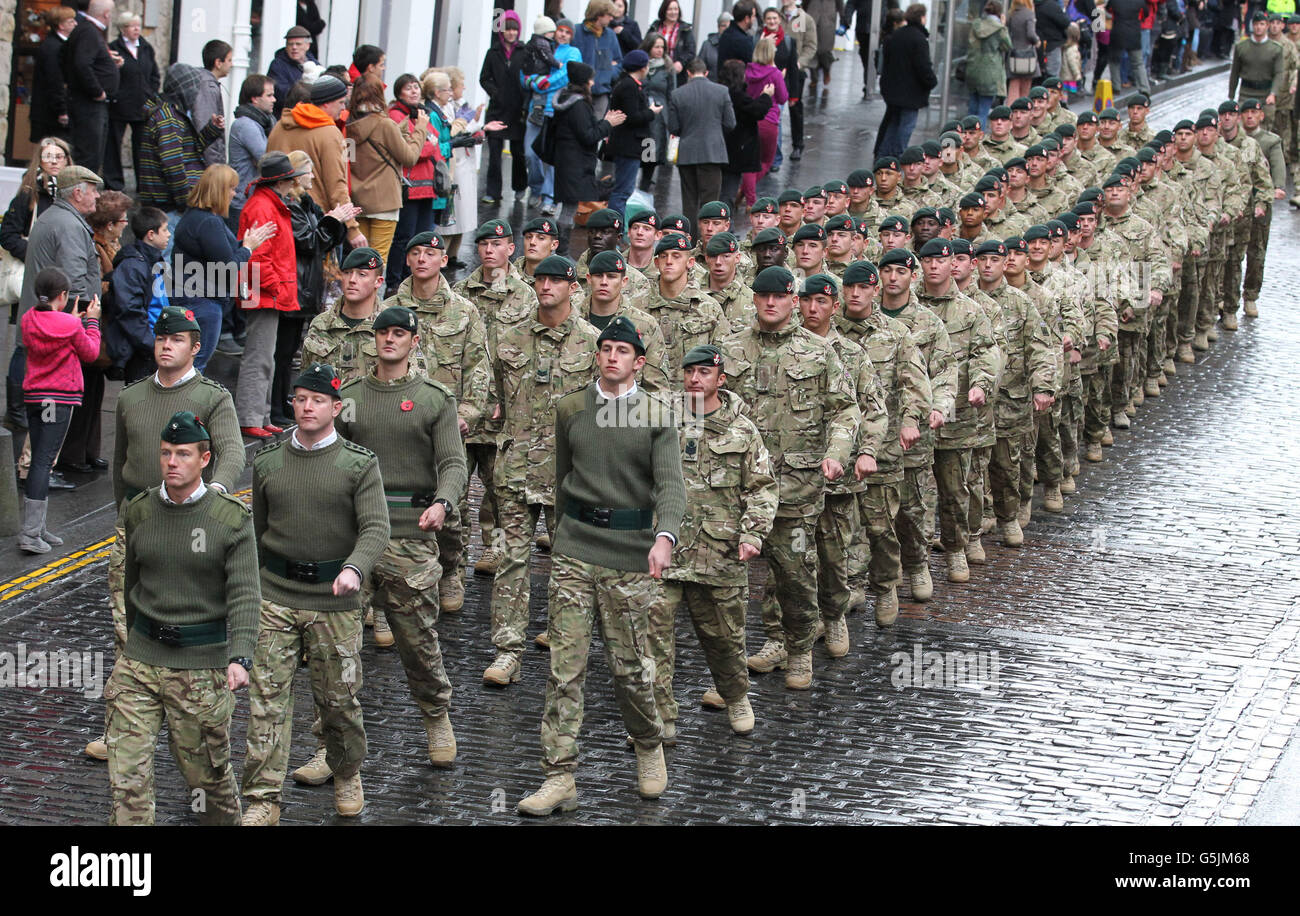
(245, 662)
(446, 505)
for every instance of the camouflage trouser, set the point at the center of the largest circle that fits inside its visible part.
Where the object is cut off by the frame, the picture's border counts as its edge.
(332, 640)
(117, 589)
(1282, 119)
(452, 538)
(1153, 348)
(913, 537)
(1172, 309)
(718, 615)
(512, 588)
(1293, 141)
(835, 527)
(583, 596)
(1189, 299)
(981, 496)
(930, 500)
(1004, 476)
(1238, 243)
(1096, 414)
(197, 705)
(1067, 429)
(1255, 252)
(789, 606)
(877, 509)
(1041, 451)
(404, 585)
(951, 472)
(481, 457)
(1127, 374)
(1207, 311)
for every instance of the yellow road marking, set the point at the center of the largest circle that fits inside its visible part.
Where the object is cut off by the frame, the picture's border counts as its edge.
(64, 565)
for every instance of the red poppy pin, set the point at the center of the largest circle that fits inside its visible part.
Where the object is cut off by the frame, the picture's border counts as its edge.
(408, 405)
(336, 383)
(189, 315)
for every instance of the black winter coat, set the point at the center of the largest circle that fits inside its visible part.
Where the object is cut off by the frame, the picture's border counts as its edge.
(577, 134)
(87, 68)
(500, 80)
(684, 52)
(139, 81)
(742, 140)
(906, 75)
(629, 97)
(1125, 33)
(49, 97)
(1051, 23)
(18, 220)
(734, 44)
(314, 234)
(630, 38)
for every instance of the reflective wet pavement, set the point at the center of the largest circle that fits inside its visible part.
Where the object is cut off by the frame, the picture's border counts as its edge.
(1136, 663)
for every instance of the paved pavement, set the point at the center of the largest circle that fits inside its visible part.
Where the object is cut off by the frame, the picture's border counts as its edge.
(1136, 663)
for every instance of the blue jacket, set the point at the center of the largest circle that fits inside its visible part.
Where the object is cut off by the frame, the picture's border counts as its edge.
(134, 301)
(202, 237)
(603, 54)
(557, 78)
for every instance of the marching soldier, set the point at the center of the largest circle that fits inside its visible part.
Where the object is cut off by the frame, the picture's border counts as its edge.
(321, 523)
(411, 423)
(1259, 65)
(142, 409)
(191, 616)
(541, 240)
(731, 499)
(342, 337)
(642, 233)
(1203, 183)
(1259, 207)
(726, 284)
(1271, 145)
(535, 364)
(686, 314)
(605, 233)
(802, 401)
(618, 483)
(606, 299)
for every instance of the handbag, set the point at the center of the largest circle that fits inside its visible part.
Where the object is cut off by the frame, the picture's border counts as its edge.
(12, 271)
(1023, 62)
(585, 209)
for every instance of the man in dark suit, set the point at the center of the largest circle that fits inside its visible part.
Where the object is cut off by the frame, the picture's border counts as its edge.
(700, 113)
(736, 41)
(90, 70)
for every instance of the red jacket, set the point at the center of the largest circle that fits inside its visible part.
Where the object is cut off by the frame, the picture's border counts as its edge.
(419, 175)
(273, 267)
(57, 344)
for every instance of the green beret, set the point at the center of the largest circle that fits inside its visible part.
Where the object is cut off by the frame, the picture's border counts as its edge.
(970, 201)
(992, 246)
(809, 232)
(953, 124)
(823, 284)
(1015, 162)
(1000, 113)
(645, 216)
(675, 222)
(363, 259)
(894, 224)
(946, 215)
(1275, 16)
(1070, 220)
(1108, 114)
(936, 248)
(1050, 142)
(1055, 229)
(1037, 151)
(497, 229)
(773, 280)
(1252, 105)
(1114, 178)
(764, 205)
(1064, 130)
(1146, 154)
(835, 187)
(1036, 232)
(769, 236)
(320, 378)
(864, 227)
(702, 355)
(815, 191)
(623, 330)
(607, 262)
(543, 225)
(840, 223)
(1184, 124)
(1015, 243)
(1090, 193)
(899, 256)
(1260, 16)
(714, 209)
(722, 243)
(889, 163)
(970, 122)
(1138, 98)
(790, 196)
(175, 320)
(1228, 107)
(861, 272)
(556, 266)
(605, 218)
(430, 239)
(1086, 117)
(1051, 83)
(925, 213)
(672, 241)
(1293, 19)
(930, 149)
(861, 178)
(396, 316)
(987, 183)
(1038, 92)
(911, 156)
(1085, 208)
(184, 428)
(1167, 136)
(951, 139)
(960, 246)
(1021, 104)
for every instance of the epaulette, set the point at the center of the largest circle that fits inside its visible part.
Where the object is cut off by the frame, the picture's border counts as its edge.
(214, 383)
(349, 445)
(434, 383)
(230, 509)
(273, 451)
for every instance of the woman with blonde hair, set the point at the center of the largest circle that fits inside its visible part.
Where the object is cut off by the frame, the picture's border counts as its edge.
(202, 238)
(381, 150)
(467, 131)
(760, 74)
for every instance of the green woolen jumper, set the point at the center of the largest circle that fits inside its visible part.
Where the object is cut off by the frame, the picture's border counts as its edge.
(144, 409)
(411, 424)
(190, 564)
(616, 454)
(320, 505)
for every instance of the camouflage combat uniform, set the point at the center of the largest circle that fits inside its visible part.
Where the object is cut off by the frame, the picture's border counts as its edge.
(688, 320)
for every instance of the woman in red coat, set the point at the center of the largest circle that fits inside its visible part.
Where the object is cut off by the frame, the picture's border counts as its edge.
(417, 202)
(273, 288)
